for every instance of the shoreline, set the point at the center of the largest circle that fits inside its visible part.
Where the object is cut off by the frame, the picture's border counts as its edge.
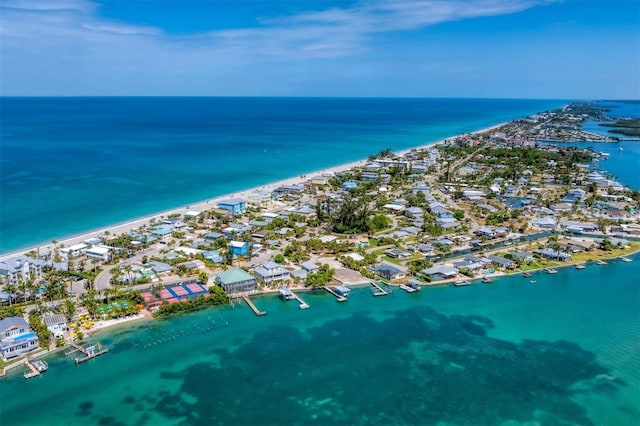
(130, 225)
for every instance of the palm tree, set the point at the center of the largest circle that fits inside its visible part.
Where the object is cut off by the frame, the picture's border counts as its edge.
(68, 308)
(11, 289)
(128, 270)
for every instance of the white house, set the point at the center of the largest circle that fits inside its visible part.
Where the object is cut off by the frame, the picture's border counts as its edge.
(73, 251)
(101, 253)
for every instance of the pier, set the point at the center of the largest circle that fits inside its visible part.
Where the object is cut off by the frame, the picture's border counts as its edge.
(287, 294)
(338, 297)
(89, 352)
(378, 290)
(253, 307)
(303, 304)
(35, 368)
(407, 288)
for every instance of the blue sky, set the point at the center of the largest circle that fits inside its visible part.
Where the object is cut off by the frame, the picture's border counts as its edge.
(562, 49)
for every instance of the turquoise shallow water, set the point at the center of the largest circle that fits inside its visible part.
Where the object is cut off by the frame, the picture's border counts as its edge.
(71, 165)
(562, 351)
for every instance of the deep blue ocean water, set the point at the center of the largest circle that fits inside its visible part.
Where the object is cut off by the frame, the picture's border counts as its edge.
(563, 351)
(71, 165)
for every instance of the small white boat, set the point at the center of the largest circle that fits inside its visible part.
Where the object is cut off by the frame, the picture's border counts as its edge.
(532, 281)
(461, 283)
(487, 280)
(625, 259)
(580, 266)
(551, 271)
(620, 149)
(600, 262)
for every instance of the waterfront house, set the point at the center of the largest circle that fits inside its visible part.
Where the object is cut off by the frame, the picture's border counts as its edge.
(397, 253)
(388, 272)
(101, 253)
(310, 266)
(56, 323)
(236, 280)
(524, 256)
(441, 272)
(271, 271)
(235, 206)
(502, 262)
(16, 338)
(73, 251)
(470, 263)
(544, 223)
(21, 268)
(553, 254)
(486, 231)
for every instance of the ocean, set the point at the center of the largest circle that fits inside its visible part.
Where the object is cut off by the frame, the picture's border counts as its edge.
(72, 165)
(562, 351)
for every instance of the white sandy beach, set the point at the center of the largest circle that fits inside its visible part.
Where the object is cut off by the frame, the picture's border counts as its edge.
(211, 203)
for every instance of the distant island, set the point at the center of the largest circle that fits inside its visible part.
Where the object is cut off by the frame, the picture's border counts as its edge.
(625, 126)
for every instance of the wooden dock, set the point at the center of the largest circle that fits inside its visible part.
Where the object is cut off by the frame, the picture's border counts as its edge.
(33, 370)
(253, 307)
(303, 304)
(89, 352)
(377, 290)
(337, 296)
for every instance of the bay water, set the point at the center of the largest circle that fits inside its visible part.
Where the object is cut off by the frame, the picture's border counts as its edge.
(562, 351)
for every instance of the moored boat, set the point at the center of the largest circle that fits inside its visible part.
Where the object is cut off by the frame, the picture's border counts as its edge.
(487, 280)
(551, 271)
(600, 262)
(527, 274)
(580, 266)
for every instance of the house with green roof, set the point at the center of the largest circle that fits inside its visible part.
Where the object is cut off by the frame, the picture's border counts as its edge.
(236, 280)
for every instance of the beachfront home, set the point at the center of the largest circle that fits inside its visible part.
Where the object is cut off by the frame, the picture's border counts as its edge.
(236, 280)
(56, 323)
(16, 338)
(21, 268)
(271, 271)
(235, 206)
(101, 253)
(73, 251)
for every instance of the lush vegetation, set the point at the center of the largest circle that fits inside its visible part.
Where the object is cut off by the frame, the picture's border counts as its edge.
(320, 277)
(216, 296)
(11, 311)
(41, 330)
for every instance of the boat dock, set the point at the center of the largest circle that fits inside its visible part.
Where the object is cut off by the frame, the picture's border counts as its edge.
(89, 352)
(378, 290)
(253, 307)
(407, 288)
(338, 297)
(35, 368)
(303, 304)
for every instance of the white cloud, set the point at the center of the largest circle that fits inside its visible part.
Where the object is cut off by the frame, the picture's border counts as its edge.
(52, 41)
